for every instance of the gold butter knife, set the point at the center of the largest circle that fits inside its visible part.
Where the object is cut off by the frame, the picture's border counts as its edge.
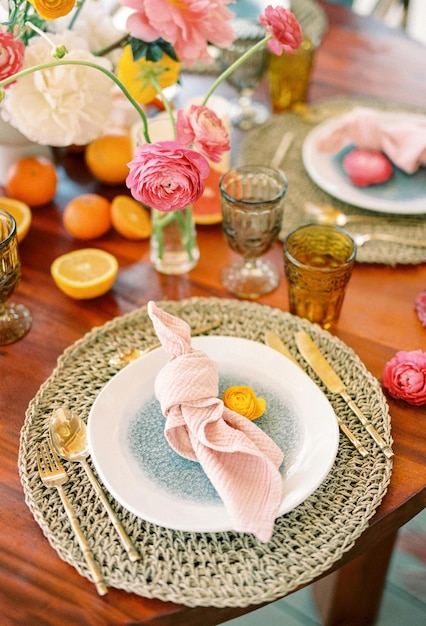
(335, 384)
(274, 341)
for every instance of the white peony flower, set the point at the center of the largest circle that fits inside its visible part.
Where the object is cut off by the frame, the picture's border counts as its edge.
(94, 25)
(62, 105)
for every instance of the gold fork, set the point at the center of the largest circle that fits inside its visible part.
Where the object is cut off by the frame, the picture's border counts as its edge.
(53, 474)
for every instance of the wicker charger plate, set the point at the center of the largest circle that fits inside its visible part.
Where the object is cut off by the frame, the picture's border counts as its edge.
(208, 569)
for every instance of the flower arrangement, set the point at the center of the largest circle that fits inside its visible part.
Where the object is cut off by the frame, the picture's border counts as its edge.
(68, 99)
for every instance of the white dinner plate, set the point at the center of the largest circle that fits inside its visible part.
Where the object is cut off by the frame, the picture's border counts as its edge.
(141, 470)
(402, 194)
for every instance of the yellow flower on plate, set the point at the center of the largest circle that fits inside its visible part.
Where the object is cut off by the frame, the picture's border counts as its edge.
(242, 399)
(139, 76)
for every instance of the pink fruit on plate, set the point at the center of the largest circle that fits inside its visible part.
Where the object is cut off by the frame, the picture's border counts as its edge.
(367, 167)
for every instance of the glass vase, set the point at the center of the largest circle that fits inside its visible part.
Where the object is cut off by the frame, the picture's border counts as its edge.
(173, 244)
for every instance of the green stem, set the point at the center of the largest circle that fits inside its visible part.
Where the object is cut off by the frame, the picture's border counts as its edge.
(111, 75)
(229, 70)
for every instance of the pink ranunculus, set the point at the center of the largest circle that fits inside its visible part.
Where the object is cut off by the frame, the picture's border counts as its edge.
(420, 306)
(11, 56)
(188, 25)
(203, 128)
(166, 175)
(404, 376)
(284, 27)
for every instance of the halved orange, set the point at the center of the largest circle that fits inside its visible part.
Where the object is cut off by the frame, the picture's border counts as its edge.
(21, 212)
(130, 219)
(85, 274)
(207, 210)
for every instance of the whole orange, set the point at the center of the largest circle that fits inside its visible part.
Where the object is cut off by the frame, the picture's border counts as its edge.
(87, 216)
(106, 158)
(32, 180)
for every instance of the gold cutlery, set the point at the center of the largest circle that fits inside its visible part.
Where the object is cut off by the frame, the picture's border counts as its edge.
(335, 384)
(274, 341)
(331, 216)
(124, 357)
(53, 474)
(360, 240)
(68, 436)
(281, 151)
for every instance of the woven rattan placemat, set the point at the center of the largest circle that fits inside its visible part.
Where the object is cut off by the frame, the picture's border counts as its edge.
(260, 145)
(208, 569)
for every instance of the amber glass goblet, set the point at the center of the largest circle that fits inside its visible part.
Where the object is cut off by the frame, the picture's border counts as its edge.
(15, 319)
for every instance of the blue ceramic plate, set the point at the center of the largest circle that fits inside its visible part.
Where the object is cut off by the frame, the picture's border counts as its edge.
(141, 470)
(402, 194)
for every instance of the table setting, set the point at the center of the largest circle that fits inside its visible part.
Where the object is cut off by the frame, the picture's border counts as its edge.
(318, 186)
(330, 507)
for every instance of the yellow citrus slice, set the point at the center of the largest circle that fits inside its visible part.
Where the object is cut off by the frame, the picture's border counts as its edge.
(86, 273)
(130, 219)
(21, 212)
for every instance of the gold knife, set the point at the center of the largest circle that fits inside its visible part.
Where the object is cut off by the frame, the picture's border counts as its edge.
(335, 384)
(274, 341)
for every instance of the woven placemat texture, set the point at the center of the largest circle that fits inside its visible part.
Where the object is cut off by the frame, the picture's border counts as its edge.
(208, 569)
(260, 145)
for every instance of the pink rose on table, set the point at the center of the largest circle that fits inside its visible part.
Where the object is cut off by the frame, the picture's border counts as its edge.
(284, 27)
(404, 376)
(202, 128)
(167, 176)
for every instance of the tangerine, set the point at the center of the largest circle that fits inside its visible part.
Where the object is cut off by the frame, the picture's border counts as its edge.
(106, 158)
(130, 219)
(87, 216)
(32, 180)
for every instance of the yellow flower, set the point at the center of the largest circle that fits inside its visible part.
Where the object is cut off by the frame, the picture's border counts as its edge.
(52, 9)
(243, 400)
(142, 77)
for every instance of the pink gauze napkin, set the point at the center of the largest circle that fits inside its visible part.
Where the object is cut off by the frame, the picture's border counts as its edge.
(240, 460)
(403, 142)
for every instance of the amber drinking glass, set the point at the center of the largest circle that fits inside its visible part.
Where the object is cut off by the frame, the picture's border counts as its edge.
(252, 206)
(15, 319)
(318, 262)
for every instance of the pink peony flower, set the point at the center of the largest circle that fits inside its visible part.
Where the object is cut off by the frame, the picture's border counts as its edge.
(420, 306)
(11, 56)
(203, 128)
(284, 27)
(166, 175)
(188, 25)
(404, 376)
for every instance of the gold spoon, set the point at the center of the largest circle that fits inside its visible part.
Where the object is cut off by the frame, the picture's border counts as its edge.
(68, 435)
(124, 357)
(330, 216)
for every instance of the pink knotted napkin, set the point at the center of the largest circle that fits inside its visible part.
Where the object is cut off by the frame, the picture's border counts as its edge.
(240, 460)
(403, 142)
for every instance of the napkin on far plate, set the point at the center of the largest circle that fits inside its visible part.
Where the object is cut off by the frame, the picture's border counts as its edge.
(402, 141)
(241, 461)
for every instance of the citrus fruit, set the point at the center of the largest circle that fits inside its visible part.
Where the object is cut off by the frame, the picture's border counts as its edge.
(32, 180)
(21, 212)
(129, 218)
(87, 216)
(84, 274)
(207, 209)
(107, 157)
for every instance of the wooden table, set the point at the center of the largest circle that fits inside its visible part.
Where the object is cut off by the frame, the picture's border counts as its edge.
(359, 57)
